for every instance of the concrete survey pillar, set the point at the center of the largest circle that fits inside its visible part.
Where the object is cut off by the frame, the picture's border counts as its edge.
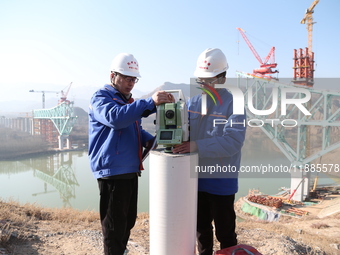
(173, 203)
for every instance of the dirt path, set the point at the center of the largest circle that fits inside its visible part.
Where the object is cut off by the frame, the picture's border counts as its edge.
(292, 236)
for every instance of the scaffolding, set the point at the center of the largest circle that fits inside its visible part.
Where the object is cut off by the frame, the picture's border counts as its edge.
(303, 67)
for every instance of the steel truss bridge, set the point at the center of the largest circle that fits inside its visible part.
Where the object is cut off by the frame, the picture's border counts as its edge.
(62, 117)
(301, 138)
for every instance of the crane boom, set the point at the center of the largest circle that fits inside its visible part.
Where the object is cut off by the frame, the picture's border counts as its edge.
(43, 91)
(257, 56)
(64, 94)
(310, 10)
(62, 98)
(308, 19)
(271, 55)
(265, 66)
(43, 95)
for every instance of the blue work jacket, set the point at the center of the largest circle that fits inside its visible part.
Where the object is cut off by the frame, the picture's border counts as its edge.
(116, 137)
(219, 136)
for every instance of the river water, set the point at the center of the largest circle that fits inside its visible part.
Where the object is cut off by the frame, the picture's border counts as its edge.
(65, 180)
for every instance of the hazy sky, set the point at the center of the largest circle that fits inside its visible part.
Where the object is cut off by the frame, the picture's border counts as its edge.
(45, 45)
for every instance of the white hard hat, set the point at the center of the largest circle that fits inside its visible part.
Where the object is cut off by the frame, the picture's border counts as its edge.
(210, 63)
(126, 64)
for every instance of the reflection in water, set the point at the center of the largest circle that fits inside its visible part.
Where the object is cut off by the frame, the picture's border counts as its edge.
(55, 170)
(65, 179)
(58, 173)
(60, 180)
(12, 167)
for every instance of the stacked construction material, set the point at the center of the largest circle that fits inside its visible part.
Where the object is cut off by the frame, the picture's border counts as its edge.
(296, 211)
(266, 200)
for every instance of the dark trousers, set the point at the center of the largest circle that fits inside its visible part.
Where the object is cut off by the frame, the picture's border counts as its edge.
(219, 209)
(118, 212)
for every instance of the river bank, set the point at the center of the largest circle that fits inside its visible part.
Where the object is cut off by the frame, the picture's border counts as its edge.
(29, 229)
(37, 153)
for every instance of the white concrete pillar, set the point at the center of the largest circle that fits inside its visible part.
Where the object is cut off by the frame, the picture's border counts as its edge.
(67, 143)
(173, 203)
(60, 142)
(300, 181)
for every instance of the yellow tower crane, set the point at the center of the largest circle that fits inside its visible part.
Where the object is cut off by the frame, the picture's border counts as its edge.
(308, 19)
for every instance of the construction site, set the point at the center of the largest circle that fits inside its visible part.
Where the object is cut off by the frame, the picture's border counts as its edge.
(304, 216)
(53, 125)
(314, 136)
(303, 58)
(309, 144)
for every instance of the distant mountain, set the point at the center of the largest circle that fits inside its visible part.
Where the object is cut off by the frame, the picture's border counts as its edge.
(79, 95)
(148, 123)
(81, 113)
(171, 86)
(83, 102)
(16, 108)
(82, 118)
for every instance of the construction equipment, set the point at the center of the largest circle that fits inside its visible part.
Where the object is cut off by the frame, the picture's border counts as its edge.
(304, 59)
(312, 192)
(315, 183)
(308, 19)
(64, 94)
(293, 193)
(43, 95)
(267, 64)
(62, 98)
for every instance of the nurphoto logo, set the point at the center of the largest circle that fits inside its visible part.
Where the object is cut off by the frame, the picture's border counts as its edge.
(239, 104)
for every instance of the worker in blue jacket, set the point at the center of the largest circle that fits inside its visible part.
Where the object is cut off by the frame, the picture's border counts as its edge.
(217, 135)
(116, 140)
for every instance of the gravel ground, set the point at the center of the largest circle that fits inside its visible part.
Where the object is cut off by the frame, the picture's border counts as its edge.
(41, 240)
(309, 236)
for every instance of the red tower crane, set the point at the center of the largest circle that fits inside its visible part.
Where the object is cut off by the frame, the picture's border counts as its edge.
(267, 64)
(64, 94)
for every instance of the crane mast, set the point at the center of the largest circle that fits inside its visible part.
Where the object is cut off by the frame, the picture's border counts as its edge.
(308, 20)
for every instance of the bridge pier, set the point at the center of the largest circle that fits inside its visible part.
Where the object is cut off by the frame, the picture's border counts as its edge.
(299, 185)
(64, 142)
(316, 129)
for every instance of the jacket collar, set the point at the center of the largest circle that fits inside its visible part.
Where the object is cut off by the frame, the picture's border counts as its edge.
(118, 94)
